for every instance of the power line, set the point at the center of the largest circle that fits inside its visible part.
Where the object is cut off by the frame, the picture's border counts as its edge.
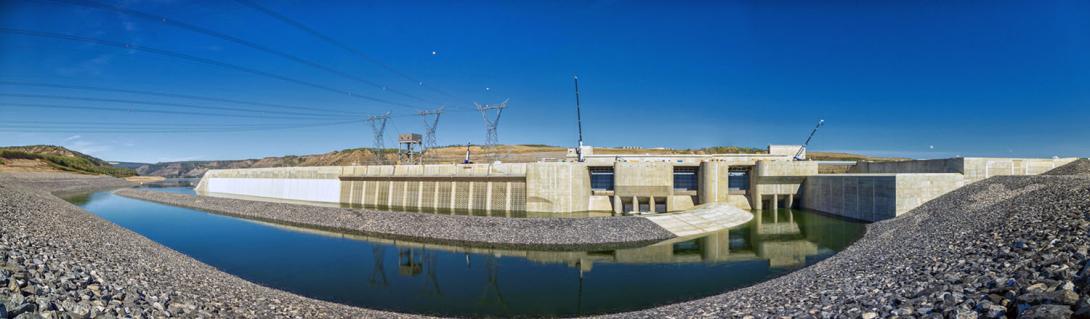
(252, 45)
(337, 43)
(183, 56)
(132, 125)
(173, 95)
(132, 110)
(181, 105)
(171, 130)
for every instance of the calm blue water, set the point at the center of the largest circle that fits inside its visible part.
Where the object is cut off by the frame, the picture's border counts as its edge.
(439, 280)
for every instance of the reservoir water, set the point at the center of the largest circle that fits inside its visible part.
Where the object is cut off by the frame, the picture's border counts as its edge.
(458, 281)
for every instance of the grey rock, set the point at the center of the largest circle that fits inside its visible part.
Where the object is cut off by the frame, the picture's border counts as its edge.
(1047, 312)
(23, 308)
(29, 316)
(1065, 297)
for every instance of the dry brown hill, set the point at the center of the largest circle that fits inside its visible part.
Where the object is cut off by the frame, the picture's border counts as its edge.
(447, 154)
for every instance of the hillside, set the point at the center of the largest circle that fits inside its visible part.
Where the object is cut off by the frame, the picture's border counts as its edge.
(446, 154)
(55, 158)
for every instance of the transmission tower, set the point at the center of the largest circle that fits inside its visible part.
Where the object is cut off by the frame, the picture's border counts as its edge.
(378, 127)
(491, 135)
(431, 122)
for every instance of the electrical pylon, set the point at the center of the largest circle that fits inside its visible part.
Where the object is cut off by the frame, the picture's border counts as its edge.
(378, 127)
(491, 123)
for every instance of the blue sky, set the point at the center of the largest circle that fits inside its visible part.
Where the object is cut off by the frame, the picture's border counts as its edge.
(922, 79)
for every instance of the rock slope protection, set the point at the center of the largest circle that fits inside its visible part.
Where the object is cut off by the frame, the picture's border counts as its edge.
(1078, 167)
(1005, 246)
(494, 232)
(58, 261)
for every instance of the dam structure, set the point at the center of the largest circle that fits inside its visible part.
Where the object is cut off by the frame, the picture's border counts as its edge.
(623, 184)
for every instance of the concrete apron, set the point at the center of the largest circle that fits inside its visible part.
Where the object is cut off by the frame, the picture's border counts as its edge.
(703, 219)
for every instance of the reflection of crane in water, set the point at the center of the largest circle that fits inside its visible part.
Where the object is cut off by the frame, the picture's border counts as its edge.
(493, 283)
(579, 301)
(377, 270)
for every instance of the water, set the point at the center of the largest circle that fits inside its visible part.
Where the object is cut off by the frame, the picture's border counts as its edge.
(457, 281)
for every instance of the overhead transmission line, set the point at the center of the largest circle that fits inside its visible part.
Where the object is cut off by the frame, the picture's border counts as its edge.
(193, 28)
(175, 95)
(173, 130)
(339, 44)
(133, 110)
(327, 112)
(138, 125)
(168, 104)
(183, 56)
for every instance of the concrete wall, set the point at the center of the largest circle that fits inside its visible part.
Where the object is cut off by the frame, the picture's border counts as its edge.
(315, 184)
(874, 197)
(787, 150)
(974, 168)
(643, 179)
(557, 187)
(777, 181)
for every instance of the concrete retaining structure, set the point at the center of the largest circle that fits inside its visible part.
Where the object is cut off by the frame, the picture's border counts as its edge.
(637, 185)
(874, 197)
(625, 184)
(974, 168)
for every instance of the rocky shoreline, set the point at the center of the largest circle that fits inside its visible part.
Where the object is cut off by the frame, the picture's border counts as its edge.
(590, 233)
(1002, 247)
(58, 261)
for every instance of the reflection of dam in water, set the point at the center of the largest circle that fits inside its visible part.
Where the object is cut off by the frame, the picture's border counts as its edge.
(784, 238)
(447, 280)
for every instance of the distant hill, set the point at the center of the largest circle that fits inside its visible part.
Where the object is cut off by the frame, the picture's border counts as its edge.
(446, 154)
(55, 158)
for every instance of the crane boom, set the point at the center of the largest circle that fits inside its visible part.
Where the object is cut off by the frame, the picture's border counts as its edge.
(798, 155)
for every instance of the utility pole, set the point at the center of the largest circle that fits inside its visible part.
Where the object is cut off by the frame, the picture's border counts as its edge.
(579, 120)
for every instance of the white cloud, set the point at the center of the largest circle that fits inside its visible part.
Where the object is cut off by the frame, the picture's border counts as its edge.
(72, 138)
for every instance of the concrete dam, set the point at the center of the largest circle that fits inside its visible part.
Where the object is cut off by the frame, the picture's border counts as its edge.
(605, 185)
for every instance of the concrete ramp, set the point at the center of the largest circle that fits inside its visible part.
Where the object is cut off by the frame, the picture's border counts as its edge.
(702, 219)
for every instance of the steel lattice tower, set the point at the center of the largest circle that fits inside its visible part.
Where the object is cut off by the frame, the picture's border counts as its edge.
(378, 127)
(431, 122)
(491, 135)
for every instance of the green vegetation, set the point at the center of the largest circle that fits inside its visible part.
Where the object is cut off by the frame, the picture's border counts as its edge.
(64, 159)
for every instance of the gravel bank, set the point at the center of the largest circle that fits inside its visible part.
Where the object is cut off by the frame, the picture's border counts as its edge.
(1078, 167)
(58, 261)
(495, 232)
(1005, 246)
(62, 184)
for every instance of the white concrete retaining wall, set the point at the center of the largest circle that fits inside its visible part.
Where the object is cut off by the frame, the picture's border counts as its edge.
(313, 190)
